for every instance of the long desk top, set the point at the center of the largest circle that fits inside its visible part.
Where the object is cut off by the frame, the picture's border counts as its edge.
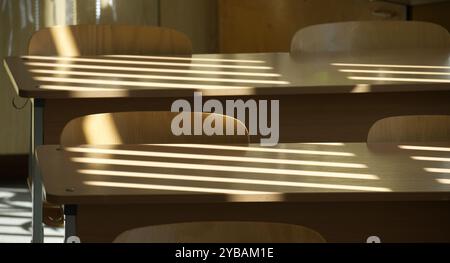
(217, 173)
(231, 74)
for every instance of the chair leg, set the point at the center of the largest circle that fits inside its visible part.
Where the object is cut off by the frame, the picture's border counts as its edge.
(70, 236)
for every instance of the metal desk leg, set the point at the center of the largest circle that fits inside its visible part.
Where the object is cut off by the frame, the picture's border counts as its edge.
(70, 236)
(36, 139)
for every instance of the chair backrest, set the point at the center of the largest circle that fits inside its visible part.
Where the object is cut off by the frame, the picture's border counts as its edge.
(87, 40)
(147, 127)
(411, 129)
(221, 232)
(369, 35)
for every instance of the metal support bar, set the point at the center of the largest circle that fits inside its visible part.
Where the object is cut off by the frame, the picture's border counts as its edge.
(70, 236)
(36, 139)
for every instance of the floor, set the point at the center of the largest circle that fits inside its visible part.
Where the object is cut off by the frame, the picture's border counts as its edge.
(15, 216)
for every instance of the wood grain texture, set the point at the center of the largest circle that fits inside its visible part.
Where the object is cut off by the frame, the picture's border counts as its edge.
(268, 26)
(145, 128)
(221, 232)
(108, 39)
(402, 129)
(370, 35)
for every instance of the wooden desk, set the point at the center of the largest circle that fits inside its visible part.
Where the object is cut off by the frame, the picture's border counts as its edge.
(320, 100)
(323, 97)
(347, 192)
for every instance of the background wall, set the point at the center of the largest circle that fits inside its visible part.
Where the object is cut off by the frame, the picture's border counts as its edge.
(196, 18)
(18, 20)
(268, 26)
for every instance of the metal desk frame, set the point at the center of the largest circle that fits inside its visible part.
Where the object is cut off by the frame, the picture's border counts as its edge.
(36, 139)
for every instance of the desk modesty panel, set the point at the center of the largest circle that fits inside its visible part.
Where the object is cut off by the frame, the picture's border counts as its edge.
(231, 74)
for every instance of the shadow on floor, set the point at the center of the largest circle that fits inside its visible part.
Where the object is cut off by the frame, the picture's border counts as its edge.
(15, 216)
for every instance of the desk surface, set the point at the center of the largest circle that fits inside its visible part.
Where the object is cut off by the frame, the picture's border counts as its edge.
(231, 74)
(214, 173)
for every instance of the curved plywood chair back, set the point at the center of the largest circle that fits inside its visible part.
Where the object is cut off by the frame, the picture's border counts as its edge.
(90, 40)
(369, 35)
(147, 128)
(420, 128)
(221, 232)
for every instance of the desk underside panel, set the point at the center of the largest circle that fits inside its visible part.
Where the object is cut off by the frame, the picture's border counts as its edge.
(303, 118)
(336, 221)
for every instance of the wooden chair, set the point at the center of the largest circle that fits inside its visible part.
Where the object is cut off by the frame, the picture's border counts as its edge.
(89, 40)
(410, 129)
(140, 128)
(135, 128)
(145, 127)
(221, 232)
(369, 35)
